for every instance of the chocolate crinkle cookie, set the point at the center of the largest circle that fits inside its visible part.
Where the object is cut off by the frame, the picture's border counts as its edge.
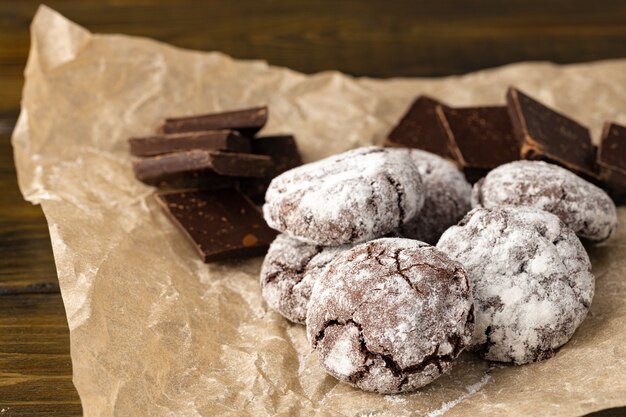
(290, 269)
(390, 315)
(531, 280)
(351, 197)
(446, 197)
(585, 208)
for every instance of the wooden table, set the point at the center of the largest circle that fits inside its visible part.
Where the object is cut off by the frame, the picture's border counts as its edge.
(382, 39)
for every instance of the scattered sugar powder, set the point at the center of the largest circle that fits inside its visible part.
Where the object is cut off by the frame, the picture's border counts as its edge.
(396, 399)
(471, 390)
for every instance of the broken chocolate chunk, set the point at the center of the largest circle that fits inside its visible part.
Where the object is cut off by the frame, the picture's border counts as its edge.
(208, 165)
(281, 148)
(419, 128)
(482, 137)
(612, 151)
(612, 160)
(200, 179)
(284, 153)
(215, 140)
(221, 224)
(248, 122)
(547, 135)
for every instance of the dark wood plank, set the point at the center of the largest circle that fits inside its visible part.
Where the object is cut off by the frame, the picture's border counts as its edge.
(391, 38)
(26, 264)
(35, 365)
(41, 409)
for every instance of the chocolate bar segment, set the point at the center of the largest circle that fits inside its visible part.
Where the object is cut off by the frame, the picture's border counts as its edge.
(281, 148)
(551, 136)
(285, 155)
(612, 150)
(248, 122)
(420, 128)
(222, 163)
(482, 136)
(200, 179)
(612, 160)
(220, 224)
(216, 140)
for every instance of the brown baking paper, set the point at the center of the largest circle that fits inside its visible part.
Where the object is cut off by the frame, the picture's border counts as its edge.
(156, 332)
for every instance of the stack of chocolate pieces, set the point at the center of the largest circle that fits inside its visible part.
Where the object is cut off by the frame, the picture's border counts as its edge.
(211, 170)
(478, 139)
(612, 158)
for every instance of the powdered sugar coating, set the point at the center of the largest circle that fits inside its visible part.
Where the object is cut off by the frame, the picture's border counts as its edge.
(289, 270)
(531, 280)
(390, 315)
(351, 197)
(585, 208)
(446, 197)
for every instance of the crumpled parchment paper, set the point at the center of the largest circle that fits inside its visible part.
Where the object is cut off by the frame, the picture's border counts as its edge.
(155, 332)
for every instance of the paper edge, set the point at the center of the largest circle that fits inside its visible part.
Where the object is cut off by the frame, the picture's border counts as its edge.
(68, 38)
(65, 32)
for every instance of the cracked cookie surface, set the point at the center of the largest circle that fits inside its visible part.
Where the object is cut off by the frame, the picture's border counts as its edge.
(347, 198)
(446, 197)
(531, 280)
(585, 208)
(390, 315)
(289, 270)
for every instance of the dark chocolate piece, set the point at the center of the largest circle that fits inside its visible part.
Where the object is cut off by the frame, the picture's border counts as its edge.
(473, 175)
(213, 140)
(420, 128)
(204, 163)
(547, 135)
(482, 137)
(248, 121)
(281, 148)
(284, 153)
(200, 179)
(612, 150)
(221, 224)
(612, 160)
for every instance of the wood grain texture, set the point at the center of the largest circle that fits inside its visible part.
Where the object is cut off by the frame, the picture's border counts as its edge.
(35, 365)
(26, 264)
(380, 39)
(375, 38)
